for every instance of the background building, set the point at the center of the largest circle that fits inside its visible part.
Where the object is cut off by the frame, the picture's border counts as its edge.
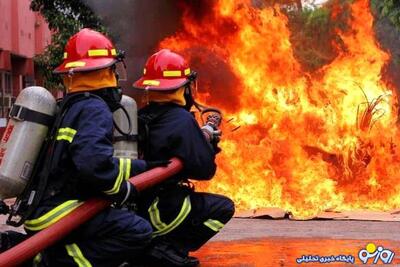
(23, 34)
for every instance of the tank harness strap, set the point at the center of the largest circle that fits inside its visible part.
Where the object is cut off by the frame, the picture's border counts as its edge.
(21, 113)
(146, 120)
(129, 137)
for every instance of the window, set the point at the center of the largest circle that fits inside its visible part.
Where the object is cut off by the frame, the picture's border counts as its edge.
(5, 93)
(7, 83)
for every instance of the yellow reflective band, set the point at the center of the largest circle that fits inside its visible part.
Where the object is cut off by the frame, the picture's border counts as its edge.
(52, 216)
(151, 82)
(128, 169)
(37, 259)
(66, 134)
(98, 52)
(214, 225)
(172, 73)
(155, 215)
(75, 64)
(187, 71)
(163, 228)
(74, 251)
(144, 71)
(119, 179)
(65, 55)
(113, 52)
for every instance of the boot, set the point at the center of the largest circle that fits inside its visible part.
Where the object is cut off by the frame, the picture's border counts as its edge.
(164, 254)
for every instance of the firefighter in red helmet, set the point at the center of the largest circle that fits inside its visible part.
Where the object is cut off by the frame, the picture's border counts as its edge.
(80, 164)
(183, 220)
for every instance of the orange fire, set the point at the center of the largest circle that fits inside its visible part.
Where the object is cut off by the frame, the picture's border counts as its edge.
(307, 142)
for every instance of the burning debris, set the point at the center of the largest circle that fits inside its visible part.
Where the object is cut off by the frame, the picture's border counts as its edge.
(307, 141)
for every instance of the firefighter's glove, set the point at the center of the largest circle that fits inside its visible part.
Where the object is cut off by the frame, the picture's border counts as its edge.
(150, 164)
(127, 194)
(214, 120)
(213, 134)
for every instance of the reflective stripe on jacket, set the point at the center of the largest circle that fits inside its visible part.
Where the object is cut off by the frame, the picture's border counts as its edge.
(83, 165)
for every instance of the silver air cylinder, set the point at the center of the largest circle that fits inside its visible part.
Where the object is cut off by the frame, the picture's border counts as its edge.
(23, 139)
(126, 148)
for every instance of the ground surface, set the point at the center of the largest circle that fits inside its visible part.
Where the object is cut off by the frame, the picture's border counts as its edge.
(278, 243)
(252, 242)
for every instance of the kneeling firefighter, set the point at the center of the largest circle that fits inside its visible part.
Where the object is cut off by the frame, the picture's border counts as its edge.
(80, 163)
(183, 220)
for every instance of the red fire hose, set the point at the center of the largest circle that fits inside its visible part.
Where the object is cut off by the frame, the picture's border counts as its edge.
(45, 238)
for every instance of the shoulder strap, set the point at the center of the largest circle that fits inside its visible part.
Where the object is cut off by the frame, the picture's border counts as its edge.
(145, 120)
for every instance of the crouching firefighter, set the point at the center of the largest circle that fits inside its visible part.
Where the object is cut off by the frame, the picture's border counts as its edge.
(183, 220)
(80, 164)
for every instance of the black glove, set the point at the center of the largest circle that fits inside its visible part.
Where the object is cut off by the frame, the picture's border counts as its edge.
(127, 193)
(214, 120)
(150, 164)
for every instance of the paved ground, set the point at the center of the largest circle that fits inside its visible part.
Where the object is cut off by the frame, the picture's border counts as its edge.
(278, 243)
(238, 229)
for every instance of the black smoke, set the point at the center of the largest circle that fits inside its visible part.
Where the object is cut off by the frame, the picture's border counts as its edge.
(136, 27)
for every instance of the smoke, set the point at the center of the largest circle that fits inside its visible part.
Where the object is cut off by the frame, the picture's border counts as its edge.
(389, 38)
(136, 27)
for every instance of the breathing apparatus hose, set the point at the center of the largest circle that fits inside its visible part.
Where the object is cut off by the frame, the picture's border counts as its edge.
(47, 237)
(128, 133)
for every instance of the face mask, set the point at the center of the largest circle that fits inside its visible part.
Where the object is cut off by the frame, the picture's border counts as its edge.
(188, 97)
(112, 96)
(116, 94)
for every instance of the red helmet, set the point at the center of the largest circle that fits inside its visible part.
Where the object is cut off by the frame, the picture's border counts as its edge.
(165, 70)
(87, 50)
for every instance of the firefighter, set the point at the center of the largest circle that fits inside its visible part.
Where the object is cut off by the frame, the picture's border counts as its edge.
(82, 165)
(183, 220)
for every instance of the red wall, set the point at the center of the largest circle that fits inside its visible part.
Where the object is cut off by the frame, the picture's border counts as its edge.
(22, 31)
(5, 24)
(23, 34)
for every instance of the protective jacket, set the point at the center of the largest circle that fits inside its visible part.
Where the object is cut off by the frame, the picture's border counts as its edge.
(181, 217)
(83, 165)
(173, 132)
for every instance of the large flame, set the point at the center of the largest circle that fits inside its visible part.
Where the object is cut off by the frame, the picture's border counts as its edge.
(306, 142)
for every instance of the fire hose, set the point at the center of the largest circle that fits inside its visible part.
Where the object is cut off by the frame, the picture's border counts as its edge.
(47, 237)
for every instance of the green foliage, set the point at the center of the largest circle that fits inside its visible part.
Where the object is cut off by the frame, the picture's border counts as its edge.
(65, 18)
(389, 9)
(315, 37)
(310, 37)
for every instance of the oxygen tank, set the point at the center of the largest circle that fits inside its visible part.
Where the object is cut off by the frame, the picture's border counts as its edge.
(30, 118)
(125, 146)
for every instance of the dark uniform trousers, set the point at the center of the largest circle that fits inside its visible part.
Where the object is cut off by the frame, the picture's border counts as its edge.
(106, 240)
(184, 218)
